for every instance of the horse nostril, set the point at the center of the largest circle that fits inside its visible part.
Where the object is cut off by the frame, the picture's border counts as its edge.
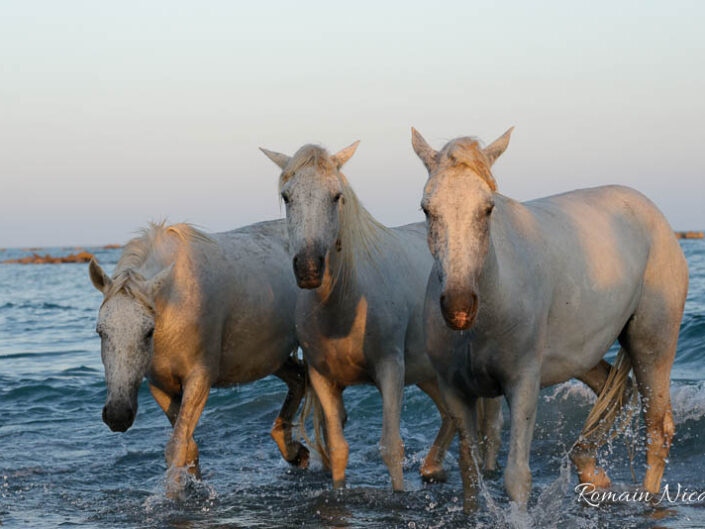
(105, 414)
(320, 261)
(296, 259)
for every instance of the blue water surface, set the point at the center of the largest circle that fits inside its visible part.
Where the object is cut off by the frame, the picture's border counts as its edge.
(60, 466)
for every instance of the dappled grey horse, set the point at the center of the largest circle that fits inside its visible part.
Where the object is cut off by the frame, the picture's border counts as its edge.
(191, 311)
(525, 295)
(359, 317)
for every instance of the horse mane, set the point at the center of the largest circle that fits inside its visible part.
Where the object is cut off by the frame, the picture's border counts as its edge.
(359, 232)
(466, 152)
(152, 240)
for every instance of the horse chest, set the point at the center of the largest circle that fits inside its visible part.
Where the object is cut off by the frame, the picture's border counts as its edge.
(338, 343)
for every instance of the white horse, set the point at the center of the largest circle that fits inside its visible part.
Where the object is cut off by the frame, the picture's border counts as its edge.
(359, 319)
(529, 295)
(191, 311)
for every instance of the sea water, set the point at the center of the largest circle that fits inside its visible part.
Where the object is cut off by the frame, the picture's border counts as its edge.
(60, 466)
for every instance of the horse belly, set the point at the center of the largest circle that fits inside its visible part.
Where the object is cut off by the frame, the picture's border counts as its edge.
(246, 362)
(579, 339)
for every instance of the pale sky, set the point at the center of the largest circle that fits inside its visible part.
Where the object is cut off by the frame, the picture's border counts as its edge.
(115, 113)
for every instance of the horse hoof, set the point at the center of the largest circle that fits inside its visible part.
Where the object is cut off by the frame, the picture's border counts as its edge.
(434, 475)
(492, 473)
(302, 458)
(470, 505)
(339, 483)
(600, 479)
(597, 477)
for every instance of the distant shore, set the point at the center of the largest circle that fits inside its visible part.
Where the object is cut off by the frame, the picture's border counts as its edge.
(690, 235)
(82, 256)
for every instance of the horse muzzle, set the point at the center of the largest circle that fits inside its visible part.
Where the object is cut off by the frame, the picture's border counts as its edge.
(459, 311)
(308, 269)
(119, 417)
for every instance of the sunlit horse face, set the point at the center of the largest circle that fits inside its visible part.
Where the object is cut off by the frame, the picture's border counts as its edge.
(458, 201)
(126, 329)
(312, 189)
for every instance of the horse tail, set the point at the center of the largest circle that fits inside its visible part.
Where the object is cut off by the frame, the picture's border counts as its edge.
(616, 393)
(312, 407)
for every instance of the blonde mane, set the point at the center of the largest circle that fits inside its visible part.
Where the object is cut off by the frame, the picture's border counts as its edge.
(152, 239)
(359, 233)
(467, 153)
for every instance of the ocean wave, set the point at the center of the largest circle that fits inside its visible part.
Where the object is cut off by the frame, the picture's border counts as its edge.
(687, 399)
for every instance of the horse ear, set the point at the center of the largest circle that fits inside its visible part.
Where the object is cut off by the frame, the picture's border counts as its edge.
(99, 278)
(278, 158)
(498, 146)
(342, 156)
(423, 150)
(156, 283)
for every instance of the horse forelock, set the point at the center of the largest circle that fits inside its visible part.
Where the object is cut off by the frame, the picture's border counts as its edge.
(467, 153)
(129, 282)
(313, 156)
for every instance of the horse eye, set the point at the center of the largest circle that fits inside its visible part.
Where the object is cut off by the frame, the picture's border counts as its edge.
(489, 209)
(285, 198)
(150, 333)
(425, 210)
(337, 197)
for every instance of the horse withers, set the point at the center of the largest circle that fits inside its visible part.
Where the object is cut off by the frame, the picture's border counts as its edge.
(526, 295)
(359, 313)
(190, 311)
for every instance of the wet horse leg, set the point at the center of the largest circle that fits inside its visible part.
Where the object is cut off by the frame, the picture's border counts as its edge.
(654, 386)
(464, 414)
(432, 469)
(652, 348)
(330, 396)
(490, 431)
(195, 390)
(171, 404)
(390, 381)
(292, 373)
(584, 453)
(522, 397)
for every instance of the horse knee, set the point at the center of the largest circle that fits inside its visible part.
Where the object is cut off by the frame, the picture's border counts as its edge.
(391, 450)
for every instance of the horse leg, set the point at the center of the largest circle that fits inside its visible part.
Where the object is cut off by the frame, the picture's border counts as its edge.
(330, 396)
(491, 431)
(171, 405)
(390, 380)
(595, 378)
(432, 469)
(584, 453)
(522, 397)
(195, 390)
(292, 373)
(652, 358)
(464, 415)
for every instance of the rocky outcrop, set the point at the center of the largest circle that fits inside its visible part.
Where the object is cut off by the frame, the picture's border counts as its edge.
(690, 235)
(80, 257)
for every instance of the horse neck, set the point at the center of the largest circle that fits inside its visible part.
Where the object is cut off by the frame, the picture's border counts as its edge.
(496, 283)
(340, 282)
(489, 284)
(357, 251)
